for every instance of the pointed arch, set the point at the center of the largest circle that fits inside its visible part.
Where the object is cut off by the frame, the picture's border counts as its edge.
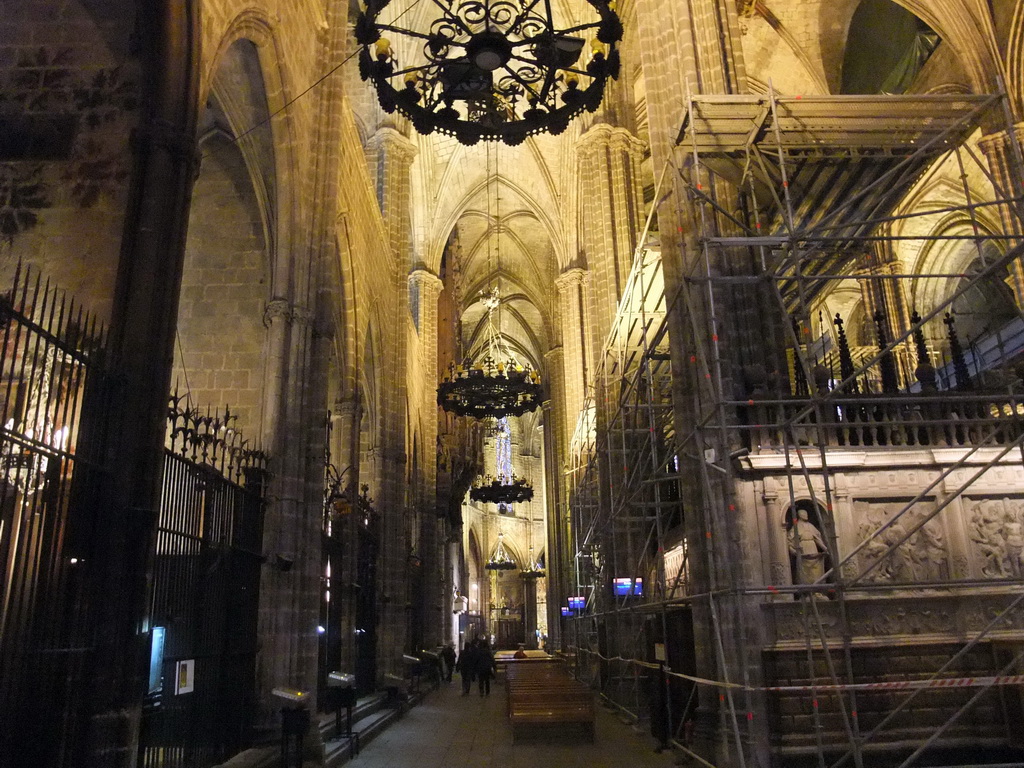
(259, 29)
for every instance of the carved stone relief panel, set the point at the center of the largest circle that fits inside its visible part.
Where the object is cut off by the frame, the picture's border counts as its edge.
(996, 530)
(923, 556)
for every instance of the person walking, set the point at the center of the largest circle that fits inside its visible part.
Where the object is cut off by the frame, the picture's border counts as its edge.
(448, 657)
(466, 665)
(485, 668)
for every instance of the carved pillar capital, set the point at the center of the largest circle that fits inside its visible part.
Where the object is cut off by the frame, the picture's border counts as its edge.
(604, 135)
(571, 278)
(344, 406)
(426, 282)
(554, 355)
(282, 309)
(274, 310)
(393, 142)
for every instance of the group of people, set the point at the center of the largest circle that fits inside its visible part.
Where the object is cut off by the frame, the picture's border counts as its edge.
(476, 662)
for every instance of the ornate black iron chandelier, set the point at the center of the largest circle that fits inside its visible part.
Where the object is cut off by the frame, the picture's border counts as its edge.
(489, 69)
(501, 560)
(501, 490)
(499, 385)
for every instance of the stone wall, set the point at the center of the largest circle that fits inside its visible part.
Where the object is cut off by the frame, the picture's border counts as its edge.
(69, 100)
(219, 358)
(977, 534)
(906, 608)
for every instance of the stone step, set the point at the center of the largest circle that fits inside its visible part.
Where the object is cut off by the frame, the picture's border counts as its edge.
(369, 720)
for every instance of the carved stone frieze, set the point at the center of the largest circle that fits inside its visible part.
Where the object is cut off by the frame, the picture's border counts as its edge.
(899, 619)
(904, 620)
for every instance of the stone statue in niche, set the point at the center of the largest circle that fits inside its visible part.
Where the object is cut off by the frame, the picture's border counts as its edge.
(807, 548)
(997, 531)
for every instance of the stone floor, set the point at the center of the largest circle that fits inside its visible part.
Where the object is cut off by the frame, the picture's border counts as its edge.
(448, 730)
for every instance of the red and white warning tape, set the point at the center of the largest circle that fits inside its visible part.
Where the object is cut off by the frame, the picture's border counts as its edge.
(905, 685)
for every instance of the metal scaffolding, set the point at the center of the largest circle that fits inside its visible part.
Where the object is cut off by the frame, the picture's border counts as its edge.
(681, 488)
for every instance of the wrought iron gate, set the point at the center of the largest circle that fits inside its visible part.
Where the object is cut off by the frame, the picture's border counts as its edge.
(205, 594)
(50, 392)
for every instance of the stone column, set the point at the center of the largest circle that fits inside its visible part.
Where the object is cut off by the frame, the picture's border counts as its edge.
(530, 611)
(345, 417)
(889, 297)
(141, 348)
(611, 215)
(778, 552)
(556, 443)
(289, 604)
(391, 155)
(694, 48)
(575, 359)
(295, 401)
(1002, 161)
(424, 289)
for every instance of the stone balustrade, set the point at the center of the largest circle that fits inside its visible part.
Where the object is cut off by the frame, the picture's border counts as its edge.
(932, 420)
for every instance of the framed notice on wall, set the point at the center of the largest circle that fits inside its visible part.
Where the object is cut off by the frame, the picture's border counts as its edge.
(185, 676)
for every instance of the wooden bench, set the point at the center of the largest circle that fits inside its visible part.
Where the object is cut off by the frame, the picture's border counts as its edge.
(541, 695)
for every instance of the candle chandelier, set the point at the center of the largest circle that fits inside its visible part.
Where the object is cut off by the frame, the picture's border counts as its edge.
(495, 386)
(501, 560)
(489, 69)
(507, 487)
(534, 569)
(503, 489)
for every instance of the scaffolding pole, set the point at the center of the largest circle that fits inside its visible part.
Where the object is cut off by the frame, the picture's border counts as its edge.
(635, 447)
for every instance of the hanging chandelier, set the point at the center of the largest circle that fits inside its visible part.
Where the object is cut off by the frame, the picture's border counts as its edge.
(497, 70)
(500, 560)
(533, 569)
(499, 385)
(503, 489)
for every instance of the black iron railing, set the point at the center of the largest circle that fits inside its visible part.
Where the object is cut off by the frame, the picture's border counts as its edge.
(50, 391)
(205, 592)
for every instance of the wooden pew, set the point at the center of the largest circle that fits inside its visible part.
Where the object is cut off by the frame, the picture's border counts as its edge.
(539, 695)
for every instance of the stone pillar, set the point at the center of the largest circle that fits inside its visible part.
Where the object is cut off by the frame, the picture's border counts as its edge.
(694, 48)
(611, 216)
(530, 611)
(575, 355)
(298, 322)
(289, 604)
(424, 289)
(1003, 164)
(141, 349)
(391, 155)
(345, 417)
(691, 47)
(556, 443)
(779, 574)
(889, 297)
